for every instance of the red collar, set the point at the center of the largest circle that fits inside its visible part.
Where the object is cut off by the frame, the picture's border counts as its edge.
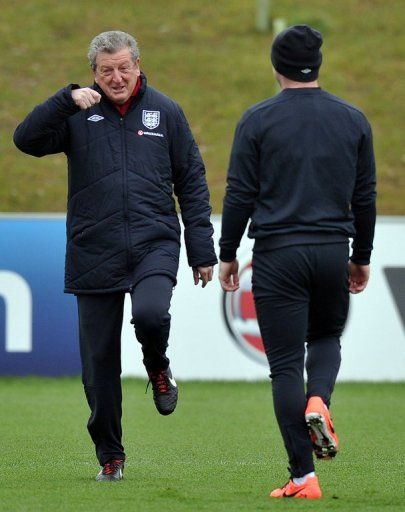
(122, 109)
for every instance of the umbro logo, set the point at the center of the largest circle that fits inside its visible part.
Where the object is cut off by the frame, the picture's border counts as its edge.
(95, 118)
(306, 71)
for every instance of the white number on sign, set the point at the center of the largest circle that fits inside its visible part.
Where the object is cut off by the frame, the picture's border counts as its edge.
(18, 300)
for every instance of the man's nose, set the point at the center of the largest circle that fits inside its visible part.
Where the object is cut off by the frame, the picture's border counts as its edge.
(117, 77)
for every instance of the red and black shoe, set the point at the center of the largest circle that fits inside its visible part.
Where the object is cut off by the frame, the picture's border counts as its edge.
(165, 392)
(112, 471)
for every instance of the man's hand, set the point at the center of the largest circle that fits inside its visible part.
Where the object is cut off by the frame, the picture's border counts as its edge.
(228, 275)
(358, 277)
(204, 274)
(86, 97)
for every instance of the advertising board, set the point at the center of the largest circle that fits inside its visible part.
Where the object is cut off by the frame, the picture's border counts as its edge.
(213, 336)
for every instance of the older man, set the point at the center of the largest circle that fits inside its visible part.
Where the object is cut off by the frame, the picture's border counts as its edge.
(128, 147)
(302, 167)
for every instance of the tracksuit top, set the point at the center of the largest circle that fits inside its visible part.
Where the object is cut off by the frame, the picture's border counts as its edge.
(302, 168)
(122, 171)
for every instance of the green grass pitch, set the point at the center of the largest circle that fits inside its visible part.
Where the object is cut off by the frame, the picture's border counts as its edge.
(220, 450)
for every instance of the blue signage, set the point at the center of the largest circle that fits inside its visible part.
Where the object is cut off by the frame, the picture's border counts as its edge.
(38, 322)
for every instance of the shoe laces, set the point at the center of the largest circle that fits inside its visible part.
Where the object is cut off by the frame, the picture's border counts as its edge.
(111, 467)
(159, 381)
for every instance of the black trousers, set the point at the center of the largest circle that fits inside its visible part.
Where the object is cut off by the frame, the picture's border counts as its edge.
(100, 324)
(301, 295)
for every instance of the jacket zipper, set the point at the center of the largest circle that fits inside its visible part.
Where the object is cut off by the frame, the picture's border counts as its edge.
(125, 194)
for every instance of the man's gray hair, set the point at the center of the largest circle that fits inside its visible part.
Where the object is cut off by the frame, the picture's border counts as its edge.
(112, 42)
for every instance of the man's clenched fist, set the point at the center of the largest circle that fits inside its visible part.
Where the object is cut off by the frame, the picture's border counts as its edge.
(86, 97)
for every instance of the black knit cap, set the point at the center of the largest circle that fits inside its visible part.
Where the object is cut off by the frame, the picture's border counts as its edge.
(295, 53)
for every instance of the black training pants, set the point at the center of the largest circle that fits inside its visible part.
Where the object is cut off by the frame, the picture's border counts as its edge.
(100, 324)
(301, 295)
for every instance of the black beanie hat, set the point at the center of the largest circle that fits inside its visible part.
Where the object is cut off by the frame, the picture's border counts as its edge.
(295, 53)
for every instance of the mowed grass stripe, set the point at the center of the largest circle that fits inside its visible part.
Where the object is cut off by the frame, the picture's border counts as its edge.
(221, 450)
(208, 57)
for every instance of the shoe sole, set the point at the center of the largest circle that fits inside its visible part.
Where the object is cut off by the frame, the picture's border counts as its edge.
(301, 495)
(325, 446)
(170, 408)
(109, 479)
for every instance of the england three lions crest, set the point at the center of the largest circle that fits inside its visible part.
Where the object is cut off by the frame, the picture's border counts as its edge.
(151, 118)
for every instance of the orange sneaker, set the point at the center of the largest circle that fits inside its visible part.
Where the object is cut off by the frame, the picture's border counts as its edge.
(325, 442)
(309, 490)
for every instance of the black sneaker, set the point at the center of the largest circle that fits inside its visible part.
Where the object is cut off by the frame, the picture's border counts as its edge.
(164, 391)
(112, 471)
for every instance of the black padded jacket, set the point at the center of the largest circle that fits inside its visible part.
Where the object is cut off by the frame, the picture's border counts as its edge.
(122, 172)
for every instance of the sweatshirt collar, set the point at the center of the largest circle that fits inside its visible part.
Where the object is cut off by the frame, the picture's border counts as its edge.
(301, 90)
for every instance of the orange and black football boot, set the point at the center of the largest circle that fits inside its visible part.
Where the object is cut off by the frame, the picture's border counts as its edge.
(309, 489)
(325, 441)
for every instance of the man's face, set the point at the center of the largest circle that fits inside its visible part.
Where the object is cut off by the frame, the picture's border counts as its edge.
(116, 74)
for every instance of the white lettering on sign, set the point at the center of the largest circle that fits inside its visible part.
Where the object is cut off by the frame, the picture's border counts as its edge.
(17, 296)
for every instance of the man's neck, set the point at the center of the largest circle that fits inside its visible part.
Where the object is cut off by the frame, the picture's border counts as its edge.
(286, 83)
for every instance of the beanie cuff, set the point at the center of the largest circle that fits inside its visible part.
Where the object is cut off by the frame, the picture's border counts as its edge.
(305, 74)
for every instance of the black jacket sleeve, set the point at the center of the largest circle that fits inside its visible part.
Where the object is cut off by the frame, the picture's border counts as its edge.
(191, 189)
(364, 200)
(44, 130)
(242, 187)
